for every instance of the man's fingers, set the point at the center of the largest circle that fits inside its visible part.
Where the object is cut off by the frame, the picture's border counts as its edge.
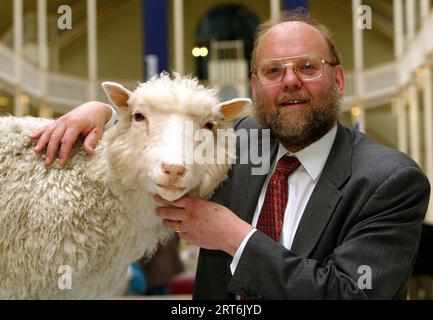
(67, 143)
(92, 139)
(171, 213)
(54, 143)
(37, 134)
(179, 203)
(44, 138)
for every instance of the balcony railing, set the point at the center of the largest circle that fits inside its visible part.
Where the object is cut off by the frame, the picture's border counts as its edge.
(378, 84)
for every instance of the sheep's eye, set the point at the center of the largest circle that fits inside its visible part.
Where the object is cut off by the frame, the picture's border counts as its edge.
(209, 125)
(139, 116)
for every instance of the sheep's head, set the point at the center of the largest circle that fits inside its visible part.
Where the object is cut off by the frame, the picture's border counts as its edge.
(173, 137)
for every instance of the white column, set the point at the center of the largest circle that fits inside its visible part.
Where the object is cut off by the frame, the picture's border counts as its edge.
(427, 86)
(275, 8)
(361, 118)
(410, 19)
(424, 8)
(428, 133)
(179, 61)
(398, 28)
(399, 104)
(415, 146)
(18, 26)
(42, 35)
(358, 53)
(399, 40)
(400, 109)
(357, 37)
(44, 110)
(92, 43)
(19, 107)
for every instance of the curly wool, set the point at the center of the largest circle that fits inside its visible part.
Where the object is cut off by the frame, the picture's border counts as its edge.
(97, 215)
(55, 217)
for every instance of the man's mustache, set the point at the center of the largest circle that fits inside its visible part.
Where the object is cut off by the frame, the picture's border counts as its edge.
(299, 95)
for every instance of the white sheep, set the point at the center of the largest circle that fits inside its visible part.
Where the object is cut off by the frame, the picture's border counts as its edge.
(72, 233)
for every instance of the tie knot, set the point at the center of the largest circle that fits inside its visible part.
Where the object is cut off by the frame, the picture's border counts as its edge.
(287, 165)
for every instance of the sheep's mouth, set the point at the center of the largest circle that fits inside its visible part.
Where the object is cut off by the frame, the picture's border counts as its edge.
(171, 188)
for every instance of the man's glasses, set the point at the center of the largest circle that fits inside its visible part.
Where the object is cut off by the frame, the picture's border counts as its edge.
(306, 67)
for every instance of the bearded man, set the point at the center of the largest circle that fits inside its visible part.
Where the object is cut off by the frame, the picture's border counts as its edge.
(337, 216)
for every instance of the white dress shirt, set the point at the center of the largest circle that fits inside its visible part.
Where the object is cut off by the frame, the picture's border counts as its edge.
(113, 118)
(301, 185)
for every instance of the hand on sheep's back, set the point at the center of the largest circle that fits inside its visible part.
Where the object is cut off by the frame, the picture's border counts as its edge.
(58, 137)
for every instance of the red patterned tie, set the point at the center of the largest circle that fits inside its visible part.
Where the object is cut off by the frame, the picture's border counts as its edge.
(272, 214)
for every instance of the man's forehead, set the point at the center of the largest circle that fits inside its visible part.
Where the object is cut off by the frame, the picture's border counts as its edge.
(296, 27)
(293, 33)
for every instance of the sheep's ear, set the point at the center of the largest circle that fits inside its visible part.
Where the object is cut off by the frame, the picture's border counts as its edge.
(229, 110)
(116, 93)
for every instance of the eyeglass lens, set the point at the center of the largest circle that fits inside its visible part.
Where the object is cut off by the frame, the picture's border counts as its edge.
(306, 68)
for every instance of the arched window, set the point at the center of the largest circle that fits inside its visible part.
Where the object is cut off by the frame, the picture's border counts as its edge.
(225, 22)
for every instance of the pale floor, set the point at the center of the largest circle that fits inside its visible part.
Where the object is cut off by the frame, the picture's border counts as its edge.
(165, 297)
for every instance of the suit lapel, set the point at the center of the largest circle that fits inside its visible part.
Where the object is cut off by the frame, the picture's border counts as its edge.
(247, 185)
(326, 194)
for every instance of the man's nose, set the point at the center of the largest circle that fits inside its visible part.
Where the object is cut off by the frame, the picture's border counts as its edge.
(290, 79)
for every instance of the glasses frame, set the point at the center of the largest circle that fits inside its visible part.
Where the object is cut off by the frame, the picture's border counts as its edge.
(290, 63)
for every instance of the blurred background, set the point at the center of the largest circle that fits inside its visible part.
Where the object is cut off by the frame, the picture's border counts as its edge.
(55, 53)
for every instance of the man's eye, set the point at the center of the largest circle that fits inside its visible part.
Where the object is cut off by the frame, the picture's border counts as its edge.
(308, 66)
(274, 70)
(139, 116)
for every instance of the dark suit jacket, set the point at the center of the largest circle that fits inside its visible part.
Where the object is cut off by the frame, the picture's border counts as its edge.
(357, 238)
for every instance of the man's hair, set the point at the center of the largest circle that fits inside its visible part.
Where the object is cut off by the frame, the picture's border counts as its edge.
(300, 15)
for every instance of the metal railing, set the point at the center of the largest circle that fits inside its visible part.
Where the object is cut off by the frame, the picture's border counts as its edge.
(65, 92)
(379, 83)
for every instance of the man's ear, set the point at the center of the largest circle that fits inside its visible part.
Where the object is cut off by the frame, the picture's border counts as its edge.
(117, 94)
(228, 110)
(253, 83)
(340, 80)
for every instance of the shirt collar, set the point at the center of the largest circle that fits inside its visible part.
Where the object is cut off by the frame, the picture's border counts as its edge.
(313, 157)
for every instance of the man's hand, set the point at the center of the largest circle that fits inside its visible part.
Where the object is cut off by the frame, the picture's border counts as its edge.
(88, 119)
(203, 223)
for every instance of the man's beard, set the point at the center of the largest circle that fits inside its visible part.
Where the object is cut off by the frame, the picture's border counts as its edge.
(297, 129)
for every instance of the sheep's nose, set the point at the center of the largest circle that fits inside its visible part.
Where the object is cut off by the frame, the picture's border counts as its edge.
(173, 170)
